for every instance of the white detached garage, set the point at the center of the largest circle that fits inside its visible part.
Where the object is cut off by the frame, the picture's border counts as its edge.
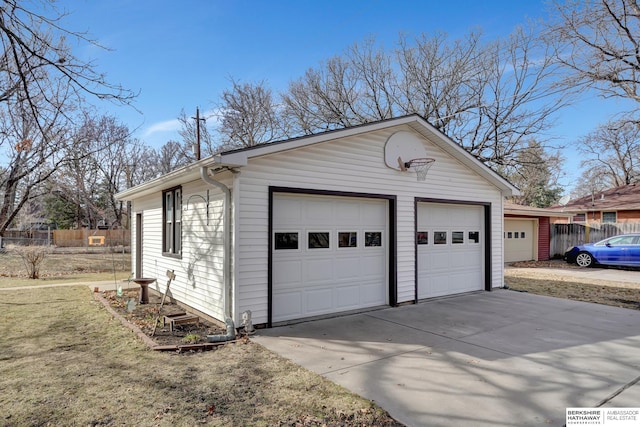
(324, 224)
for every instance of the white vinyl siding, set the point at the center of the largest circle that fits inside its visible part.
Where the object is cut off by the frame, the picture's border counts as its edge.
(354, 164)
(199, 281)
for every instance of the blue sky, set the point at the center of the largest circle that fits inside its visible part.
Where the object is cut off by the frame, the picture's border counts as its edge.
(181, 54)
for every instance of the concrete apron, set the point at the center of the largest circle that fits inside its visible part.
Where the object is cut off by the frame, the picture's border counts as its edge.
(499, 358)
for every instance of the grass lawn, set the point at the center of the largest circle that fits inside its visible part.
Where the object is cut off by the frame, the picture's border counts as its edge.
(65, 267)
(65, 361)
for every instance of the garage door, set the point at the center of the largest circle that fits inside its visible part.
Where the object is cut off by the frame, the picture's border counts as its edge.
(450, 244)
(519, 240)
(329, 255)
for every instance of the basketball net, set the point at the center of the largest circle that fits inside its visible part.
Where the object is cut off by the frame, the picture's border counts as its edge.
(421, 167)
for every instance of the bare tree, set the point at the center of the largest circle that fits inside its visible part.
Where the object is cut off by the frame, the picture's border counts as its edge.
(614, 150)
(41, 83)
(441, 79)
(171, 156)
(518, 97)
(489, 97)
(33, 153)
(36, 59)
(592, 181)
(357, 87)
(93, 169)
(249, 116)
(599, 41)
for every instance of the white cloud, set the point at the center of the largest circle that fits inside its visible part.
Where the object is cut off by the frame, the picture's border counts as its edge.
(162, 127)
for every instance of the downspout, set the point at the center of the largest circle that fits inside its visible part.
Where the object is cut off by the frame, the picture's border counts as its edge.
(226, 215)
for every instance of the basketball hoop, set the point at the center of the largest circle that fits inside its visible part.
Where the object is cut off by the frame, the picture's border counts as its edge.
(420, 166)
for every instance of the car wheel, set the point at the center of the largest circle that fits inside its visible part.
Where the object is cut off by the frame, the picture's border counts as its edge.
(584, 259)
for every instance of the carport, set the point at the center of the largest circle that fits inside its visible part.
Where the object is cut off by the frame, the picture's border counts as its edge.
(502, 358)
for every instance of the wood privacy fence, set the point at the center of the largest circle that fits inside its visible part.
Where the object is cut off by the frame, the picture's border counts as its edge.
(69, 238)
(92, 238)
(564, 236)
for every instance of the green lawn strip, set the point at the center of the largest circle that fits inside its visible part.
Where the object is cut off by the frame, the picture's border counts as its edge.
(65, 361)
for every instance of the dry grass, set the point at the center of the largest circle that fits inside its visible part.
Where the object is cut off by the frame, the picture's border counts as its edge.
(624, 297)
(65, 267)
(65, 361)
(547, 281)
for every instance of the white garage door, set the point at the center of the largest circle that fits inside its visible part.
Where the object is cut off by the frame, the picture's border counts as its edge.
(519, 242)
(450, 241)
(329, 255)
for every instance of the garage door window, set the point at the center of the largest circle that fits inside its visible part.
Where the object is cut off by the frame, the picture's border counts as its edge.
(474, 237)
(318, 240)
(422, 237)
(457, 237)
(372, 238)
(439, 237)
(347, 239)
(286, 241)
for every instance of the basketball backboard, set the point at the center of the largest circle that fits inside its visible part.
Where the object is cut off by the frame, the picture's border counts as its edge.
(400, 148)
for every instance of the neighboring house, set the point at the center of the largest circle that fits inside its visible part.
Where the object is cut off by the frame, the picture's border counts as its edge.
(323, 224)
(616, 205)
(527, 232)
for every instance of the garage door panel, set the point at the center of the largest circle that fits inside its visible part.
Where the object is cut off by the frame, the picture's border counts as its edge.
(289, 213)
(348, 296)
(372, 294)
(450, 268)
(319, 300)
(317, 270)
(289, 272)
(350, 213)
(371, 266)
(317, 212)
(348, 268)
(330, 279)
(373, 214)
(288, 304)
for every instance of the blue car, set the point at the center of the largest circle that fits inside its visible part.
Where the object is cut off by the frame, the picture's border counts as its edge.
(621, 250)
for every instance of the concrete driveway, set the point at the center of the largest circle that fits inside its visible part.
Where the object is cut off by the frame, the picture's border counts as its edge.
(500, 358)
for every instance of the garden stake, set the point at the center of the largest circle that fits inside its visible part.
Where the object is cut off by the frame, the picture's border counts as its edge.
(171, 276)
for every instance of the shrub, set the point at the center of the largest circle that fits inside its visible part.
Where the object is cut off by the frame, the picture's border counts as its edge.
(32, 256)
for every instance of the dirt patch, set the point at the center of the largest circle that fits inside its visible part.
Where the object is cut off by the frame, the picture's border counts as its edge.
(144, 317)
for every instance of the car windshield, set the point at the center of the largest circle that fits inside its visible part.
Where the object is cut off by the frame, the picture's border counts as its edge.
(619, 241)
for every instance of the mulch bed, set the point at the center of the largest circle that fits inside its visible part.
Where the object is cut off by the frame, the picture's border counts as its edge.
(141, 318)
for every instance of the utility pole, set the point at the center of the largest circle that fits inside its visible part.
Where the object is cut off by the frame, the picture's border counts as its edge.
(197, 119)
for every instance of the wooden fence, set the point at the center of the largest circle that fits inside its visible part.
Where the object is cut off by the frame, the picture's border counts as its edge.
(92, 238)
(564, 236)
(70, 238)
